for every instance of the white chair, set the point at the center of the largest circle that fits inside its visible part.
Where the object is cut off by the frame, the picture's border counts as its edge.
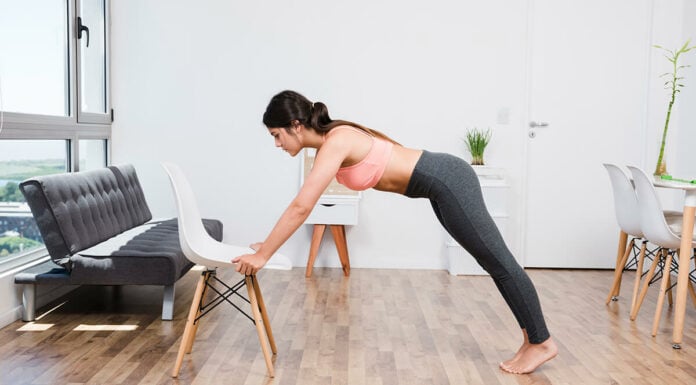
(658, 231)
(199, 247)
(628, 218)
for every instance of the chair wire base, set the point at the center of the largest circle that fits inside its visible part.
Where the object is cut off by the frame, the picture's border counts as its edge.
(222, 296)
(200, 308)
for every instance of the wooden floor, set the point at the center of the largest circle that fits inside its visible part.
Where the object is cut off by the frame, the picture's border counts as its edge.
(376, 327)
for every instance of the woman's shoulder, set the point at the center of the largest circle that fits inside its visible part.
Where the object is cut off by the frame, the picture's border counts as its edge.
(346, 139)
(346, 130)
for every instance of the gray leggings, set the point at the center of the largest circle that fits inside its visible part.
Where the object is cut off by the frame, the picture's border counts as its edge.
(455, 194)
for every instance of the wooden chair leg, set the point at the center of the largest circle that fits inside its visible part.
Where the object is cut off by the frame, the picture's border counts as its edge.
(264, 315)
(189, 346)
(623, 240)
(259, 327)
(639, 273)
(317, 234)
(339, 236)
(188, 330)
(618, 271)
(661, 297)
(644, 289)
(670, 301)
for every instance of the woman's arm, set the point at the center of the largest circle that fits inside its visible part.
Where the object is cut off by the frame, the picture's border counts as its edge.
(326, 164)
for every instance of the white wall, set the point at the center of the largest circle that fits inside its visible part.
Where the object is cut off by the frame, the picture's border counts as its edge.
(190, 83)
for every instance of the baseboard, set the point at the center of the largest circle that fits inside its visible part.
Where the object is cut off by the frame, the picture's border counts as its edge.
(10, 316)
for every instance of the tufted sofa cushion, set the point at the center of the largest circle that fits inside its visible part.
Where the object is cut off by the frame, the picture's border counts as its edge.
(152, 257)
(78, 210)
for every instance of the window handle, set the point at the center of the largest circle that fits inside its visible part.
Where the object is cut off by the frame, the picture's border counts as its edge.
(81, 28)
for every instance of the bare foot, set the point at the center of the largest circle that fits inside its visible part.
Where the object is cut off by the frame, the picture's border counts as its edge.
(520, 351)
(530, 357)
(517, 356)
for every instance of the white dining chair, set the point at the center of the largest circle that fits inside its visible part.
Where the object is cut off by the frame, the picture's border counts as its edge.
(658, 231)
(199, 247)
(628, 218)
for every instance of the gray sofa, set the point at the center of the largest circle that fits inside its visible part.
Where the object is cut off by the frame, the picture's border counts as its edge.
(98, 230)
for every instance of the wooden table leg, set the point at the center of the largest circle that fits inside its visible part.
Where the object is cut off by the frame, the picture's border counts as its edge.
(317, 234)
(339, 235)
(683, 277)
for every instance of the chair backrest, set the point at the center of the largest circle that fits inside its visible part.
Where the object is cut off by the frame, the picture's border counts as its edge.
(625, 201)
(198, 246)
(191, 230)
(652, 217)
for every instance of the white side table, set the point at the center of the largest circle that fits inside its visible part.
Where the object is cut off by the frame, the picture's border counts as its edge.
(495, 190)
(336, 213)
(337, 207)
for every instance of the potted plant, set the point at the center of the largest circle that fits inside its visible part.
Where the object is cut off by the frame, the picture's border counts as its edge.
(673, 83)
(476, 141)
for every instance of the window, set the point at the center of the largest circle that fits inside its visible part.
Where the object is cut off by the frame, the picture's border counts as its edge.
(55, 113)
(36, 61)
(92, 154)
(19, 160)
(92, 66)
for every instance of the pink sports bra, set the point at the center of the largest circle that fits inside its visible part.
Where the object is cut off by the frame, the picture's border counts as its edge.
(366, 173)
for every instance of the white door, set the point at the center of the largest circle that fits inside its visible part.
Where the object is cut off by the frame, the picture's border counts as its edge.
(588, 85)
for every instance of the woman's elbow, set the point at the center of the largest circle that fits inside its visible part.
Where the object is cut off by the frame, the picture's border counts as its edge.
(301, 210)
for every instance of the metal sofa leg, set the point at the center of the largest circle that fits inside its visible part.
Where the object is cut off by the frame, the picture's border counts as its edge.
(29, 302)
(168, 303)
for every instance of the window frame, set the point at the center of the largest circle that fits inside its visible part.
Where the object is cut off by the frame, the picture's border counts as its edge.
(92, 117)
(72, 128)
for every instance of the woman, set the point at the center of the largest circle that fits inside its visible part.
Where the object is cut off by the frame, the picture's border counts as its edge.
(361, 158)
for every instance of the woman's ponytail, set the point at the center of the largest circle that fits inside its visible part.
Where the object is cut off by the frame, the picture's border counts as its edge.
(320, 119)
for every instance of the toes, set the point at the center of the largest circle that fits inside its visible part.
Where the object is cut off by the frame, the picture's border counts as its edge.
(507, 368)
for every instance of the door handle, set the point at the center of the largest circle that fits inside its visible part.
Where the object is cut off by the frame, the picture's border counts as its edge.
(534, 124)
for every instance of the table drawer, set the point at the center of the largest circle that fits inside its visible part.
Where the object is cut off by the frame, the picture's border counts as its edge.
(334, 214)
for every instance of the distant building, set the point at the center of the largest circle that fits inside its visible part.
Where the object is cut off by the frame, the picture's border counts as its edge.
(16, 220)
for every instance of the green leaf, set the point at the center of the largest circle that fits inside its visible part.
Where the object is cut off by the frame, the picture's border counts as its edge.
(685, 46)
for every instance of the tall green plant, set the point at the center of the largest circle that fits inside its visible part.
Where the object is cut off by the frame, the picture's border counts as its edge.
(476, 141)
(674, 84)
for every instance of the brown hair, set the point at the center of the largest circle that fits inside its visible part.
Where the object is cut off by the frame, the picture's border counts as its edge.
(288, 106)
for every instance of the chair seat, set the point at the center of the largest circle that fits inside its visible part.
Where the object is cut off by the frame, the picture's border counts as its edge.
(674, 221)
